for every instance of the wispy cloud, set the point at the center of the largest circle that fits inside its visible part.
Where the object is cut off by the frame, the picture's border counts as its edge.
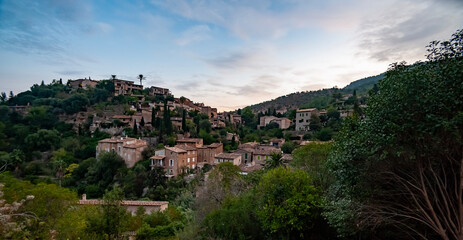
(274, 19)
(73, 73)
(194, 34)
(38, 26)
(403, 29)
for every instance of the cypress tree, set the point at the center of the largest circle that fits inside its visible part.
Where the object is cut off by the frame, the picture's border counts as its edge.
(135, 128)
(184, 121)
(153, 117)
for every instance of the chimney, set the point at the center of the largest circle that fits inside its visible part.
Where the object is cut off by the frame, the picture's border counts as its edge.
(84, 196)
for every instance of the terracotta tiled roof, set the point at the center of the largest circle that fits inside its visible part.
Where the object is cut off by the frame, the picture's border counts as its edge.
(190, 140)
(175, 149)
(267, 151)
(245, 168)
(185, 147)
(124, 202)
(121, 116)
(306, 110)
(215, 145)
(228, 155)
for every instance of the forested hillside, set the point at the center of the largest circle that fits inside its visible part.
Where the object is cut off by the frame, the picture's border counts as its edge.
(317, 98)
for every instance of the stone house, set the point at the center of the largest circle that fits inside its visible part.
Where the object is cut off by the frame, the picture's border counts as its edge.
(124, 87)
(228, 157)
(246, 155)
(265, 120)
(129, 149)
(177, 159)
(283, 123)
(262, 154)
(193, 142)
(207, 153)
(189, 153)
(131, 206)
(153, 91)
(303, 118)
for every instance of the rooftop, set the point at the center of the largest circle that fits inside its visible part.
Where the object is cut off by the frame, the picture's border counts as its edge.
(175, 149)
(215, 145)
(306, 110)
(228, 155)
(124, 202)
(190, 140)
(185, 147)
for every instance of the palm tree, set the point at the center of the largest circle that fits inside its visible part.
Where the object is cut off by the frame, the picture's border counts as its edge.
(274, 161)
(141, 77)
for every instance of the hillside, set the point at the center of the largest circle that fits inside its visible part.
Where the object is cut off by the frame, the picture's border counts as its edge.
(365, 84)
(315, 98)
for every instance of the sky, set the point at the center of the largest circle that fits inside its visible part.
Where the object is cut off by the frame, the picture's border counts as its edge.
(227, 54)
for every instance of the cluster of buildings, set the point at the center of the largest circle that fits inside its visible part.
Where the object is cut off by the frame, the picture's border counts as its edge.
(142, 110)
(190, 154)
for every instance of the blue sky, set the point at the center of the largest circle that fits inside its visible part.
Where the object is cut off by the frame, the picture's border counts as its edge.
(227, 54)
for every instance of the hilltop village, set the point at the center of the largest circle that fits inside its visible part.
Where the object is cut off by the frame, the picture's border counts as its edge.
(156, 153)
(148, 110)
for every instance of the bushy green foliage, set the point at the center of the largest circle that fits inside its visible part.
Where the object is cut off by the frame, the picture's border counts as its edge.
(290, 205)
(49, 204)
(388, 164)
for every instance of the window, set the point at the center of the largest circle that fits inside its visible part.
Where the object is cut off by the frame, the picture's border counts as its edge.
(119, 149)
(193, 159)
(193, 152)
(188, 152)
(246, 156)
(193, 166)
(258, 157)
(188, 159)
(171, 162)
(160, 162)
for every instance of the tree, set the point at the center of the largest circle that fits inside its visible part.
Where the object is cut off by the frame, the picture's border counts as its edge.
(274, 161)
(153, 117)
(42, 140)
(17, 157)
(315, 123)
(3, 97)
(47, 204)
(114, 214)
(76, 103)
(135, 127)
(141, 78)
(290, 205)
(60, 161)
(325, 134)
(167, 122)
(288, 147)
(102, 174)
(401, 168)
(184, 127)
(312, 158)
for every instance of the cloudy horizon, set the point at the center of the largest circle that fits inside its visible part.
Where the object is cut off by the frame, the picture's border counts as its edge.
(227, 54)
